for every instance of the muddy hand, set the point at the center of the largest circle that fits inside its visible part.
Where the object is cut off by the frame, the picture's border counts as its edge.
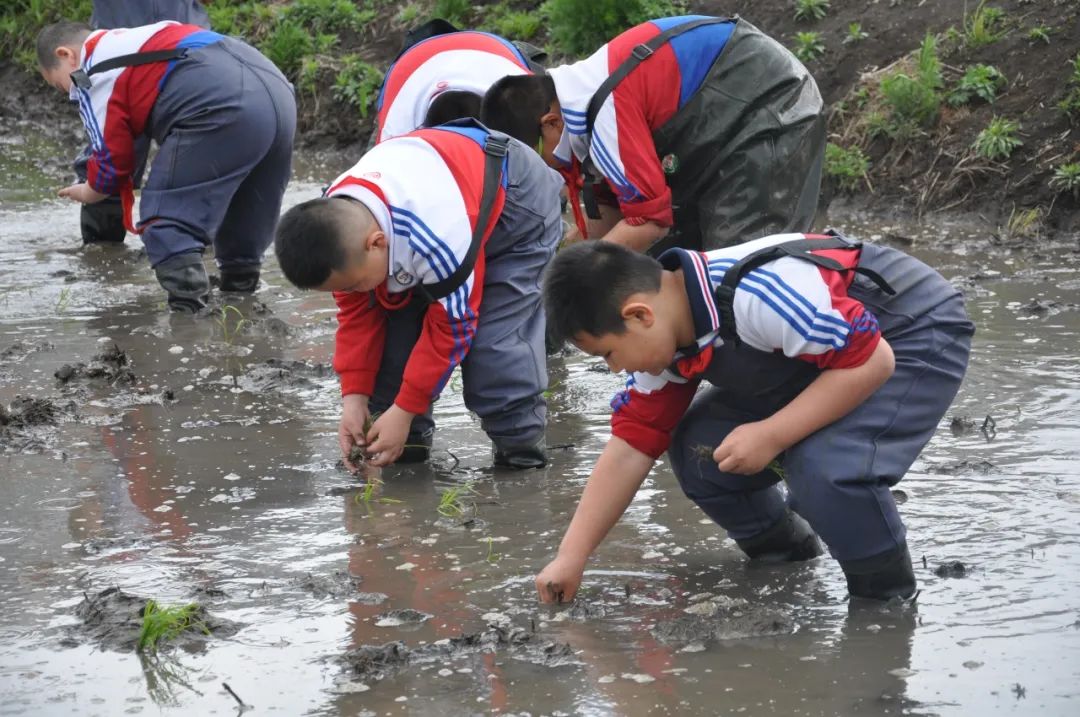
(354, 419)
(386, 437)
(559, 581)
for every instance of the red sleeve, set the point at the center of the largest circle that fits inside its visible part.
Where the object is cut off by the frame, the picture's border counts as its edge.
(646, 419)
(111, 164)
(358, 346)
(445, 339)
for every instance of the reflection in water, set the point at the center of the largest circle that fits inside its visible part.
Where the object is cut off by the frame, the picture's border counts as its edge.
(229, 494)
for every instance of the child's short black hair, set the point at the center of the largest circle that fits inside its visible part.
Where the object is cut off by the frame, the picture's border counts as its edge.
(59, 34)
(587, 284)
(516, 103)
(450, 106)
(308, 242)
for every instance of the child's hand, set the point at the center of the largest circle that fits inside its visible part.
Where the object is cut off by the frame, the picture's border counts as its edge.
(559, 581)
(354, 418)
(386, 439)
(82, 192)
(748, 449)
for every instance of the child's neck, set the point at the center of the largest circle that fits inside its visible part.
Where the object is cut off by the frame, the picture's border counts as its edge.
(675, 302)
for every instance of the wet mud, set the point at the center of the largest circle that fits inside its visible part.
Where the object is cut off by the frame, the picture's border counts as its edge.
(112, 620)
(719, 619)
(111, 366)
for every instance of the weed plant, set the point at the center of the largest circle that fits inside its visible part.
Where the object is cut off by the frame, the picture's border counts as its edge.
(1024, 223)
(998, 140)
(847, 166)
(983, 25)
(456, 11)
(982, 81)
(357, 84)
(503, 20)
(855, 34)
(287, 46)
(808, 46)
(1039, 33)
(914, 99)
(20, 21)
(1070, 105)
(1066, 179)
(811, 9)
(580, 26)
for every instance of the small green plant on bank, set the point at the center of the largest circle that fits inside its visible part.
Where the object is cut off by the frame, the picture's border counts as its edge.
(855, 34)
(1066, 179)
(327, 15)
(982, 81)
(20, 21)
(579, 27)
(408, 14)
(998, 140)
(452, 500)
(914, 99)
(287, 46)
(811, 9)
(983, 25)
(1070, 105)
(1039, 33)
(847, 166)
(503, 20)
(163, 624)
(357, 85)
(808, 46)
(1024, 223)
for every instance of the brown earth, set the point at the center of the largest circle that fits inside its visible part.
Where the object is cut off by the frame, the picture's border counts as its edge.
(933, 173)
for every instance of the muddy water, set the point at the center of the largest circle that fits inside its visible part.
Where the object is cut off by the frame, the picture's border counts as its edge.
(211, 477)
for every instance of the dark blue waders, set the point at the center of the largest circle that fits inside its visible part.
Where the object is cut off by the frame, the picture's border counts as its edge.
(103, 222)
(504, 374)
(225, 122)
(838, 478)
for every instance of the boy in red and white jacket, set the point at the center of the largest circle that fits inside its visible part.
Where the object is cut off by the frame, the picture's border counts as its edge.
(224, 118)
(390, 230)
(829, 365)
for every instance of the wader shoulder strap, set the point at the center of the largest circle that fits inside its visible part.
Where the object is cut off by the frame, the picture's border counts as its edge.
(638, 55)
(81, 78)
(798, 249)
(495, 148)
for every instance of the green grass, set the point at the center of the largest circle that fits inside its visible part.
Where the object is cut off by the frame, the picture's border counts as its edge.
(357, 84)
(855, 34)
(808, 46)
(1070, 104)
(163, 624)
(1066, 179)
(20, 21)
(287, 46)
(459, 12)
(983, 25)
(998, 140)
(811, 9)
(578, 27)
(409, 14)
(982, 81)
(847, 166)
(914, 99)
(327, 15)
(503, 20)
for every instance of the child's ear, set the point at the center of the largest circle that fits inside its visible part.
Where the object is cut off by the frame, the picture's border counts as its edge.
(552, 119)
(638, 311)
(375, 240)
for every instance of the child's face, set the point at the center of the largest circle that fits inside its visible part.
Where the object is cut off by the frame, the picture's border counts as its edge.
(367, 265)
(645, 346)
(59, 75)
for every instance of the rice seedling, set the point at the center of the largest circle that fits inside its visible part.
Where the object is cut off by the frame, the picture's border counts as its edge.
(163, 624)
(452, 501)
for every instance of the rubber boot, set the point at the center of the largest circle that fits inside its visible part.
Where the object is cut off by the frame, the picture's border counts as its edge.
(521, 456)
(240, 279)
(881, 577)
(103, 222)
(790, 540)
(184, 278)
(417, 447)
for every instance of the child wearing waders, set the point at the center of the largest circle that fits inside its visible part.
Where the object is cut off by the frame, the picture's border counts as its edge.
(103, 222)
(703, 127)
(433, 245)
(443, 78)
(827, 362)
(224, 118)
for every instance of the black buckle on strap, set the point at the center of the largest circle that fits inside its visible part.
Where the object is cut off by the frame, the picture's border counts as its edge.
(642, 52)
(80, 79)
(496, 147)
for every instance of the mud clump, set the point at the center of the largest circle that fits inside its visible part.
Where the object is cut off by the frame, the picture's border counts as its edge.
(406, 617)
(338, 584)
(21, 350)
(281, 375)
(113, 620)
(27, 412)
(112, 365)
(955, 569)
(375, 662)
(723, 619)
(966, 467)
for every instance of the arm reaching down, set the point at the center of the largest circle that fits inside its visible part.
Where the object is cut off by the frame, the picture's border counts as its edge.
(615, 480)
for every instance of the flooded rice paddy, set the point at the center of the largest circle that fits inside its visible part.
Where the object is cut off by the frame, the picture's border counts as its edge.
(194, 460)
